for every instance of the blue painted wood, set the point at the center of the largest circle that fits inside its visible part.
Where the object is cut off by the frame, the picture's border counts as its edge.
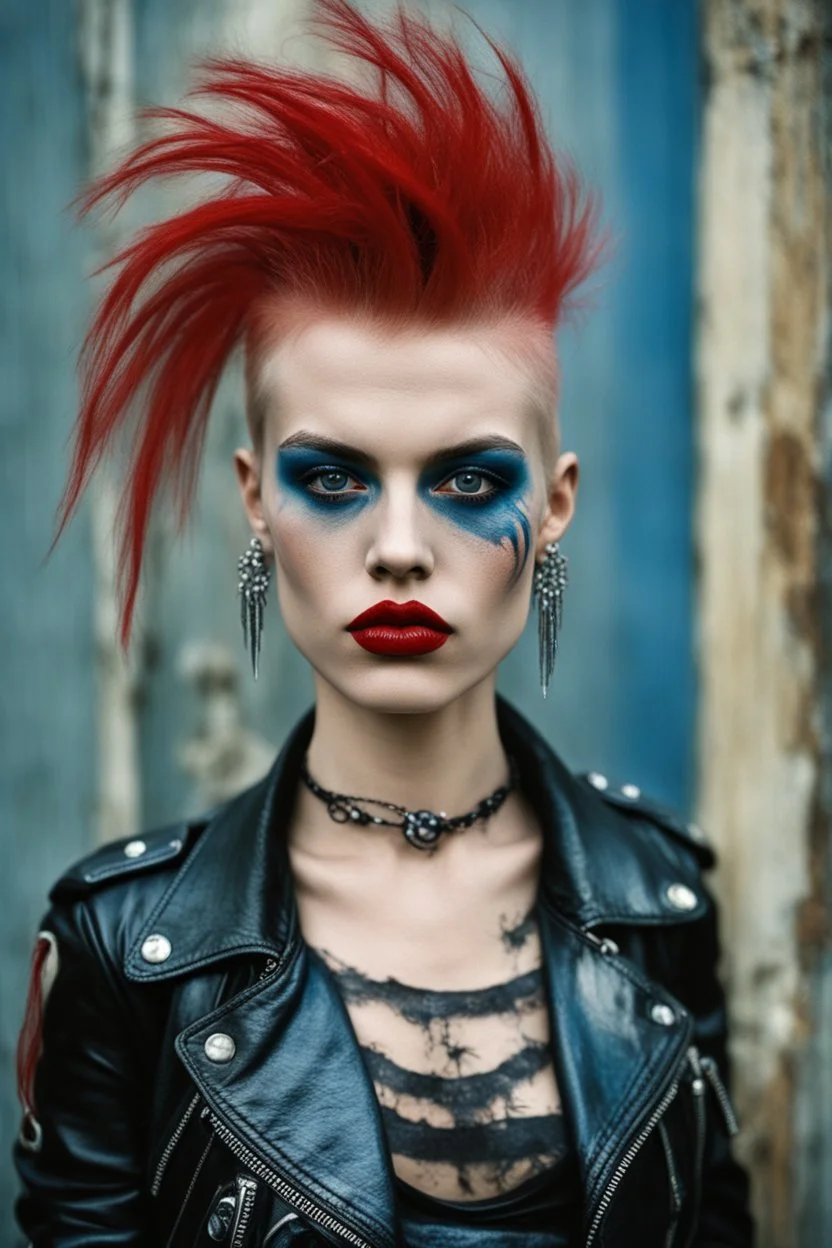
(618, 87)
(46, 729)
(656, 112)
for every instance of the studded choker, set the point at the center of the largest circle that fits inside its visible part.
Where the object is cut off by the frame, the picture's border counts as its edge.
(421, 828)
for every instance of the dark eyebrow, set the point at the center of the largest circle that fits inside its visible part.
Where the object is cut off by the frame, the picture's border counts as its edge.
(343, 450)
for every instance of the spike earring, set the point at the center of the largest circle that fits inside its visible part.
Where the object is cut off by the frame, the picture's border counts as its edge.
(255, 575)
(550, 580)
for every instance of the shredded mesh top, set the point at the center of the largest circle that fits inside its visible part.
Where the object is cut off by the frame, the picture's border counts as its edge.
(470, 1104)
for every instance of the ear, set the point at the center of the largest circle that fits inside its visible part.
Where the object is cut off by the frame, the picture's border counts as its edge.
(562, 496)
(248, 469)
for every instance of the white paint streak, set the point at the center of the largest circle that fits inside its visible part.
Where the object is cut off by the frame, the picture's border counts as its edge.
(106, 55)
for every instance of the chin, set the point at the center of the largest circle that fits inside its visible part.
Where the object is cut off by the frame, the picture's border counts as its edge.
(402, 688)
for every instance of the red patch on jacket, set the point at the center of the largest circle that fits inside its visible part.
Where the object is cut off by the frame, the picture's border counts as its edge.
(30, 1042)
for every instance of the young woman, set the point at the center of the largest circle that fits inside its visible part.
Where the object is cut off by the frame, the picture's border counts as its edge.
(421, 986)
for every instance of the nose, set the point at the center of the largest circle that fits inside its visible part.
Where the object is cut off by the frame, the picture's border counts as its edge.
(399, 547)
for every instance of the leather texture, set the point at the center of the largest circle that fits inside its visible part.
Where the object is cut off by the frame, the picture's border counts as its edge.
(147, 1141)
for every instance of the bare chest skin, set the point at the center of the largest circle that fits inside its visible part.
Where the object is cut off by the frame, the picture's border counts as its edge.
(438, 961)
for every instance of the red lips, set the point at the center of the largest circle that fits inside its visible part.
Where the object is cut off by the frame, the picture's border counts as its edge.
(399, 628)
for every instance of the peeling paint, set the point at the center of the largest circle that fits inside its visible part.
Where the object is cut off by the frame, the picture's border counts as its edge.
(763, 372)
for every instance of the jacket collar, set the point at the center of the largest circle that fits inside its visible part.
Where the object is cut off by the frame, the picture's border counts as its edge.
(599, 866)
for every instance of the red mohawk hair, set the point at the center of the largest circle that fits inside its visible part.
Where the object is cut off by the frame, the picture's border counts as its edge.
(423, 199)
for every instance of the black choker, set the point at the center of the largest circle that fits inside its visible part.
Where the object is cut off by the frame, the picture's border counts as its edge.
(421, 828)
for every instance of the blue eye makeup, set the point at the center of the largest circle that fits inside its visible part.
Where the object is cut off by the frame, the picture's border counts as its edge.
(484, 492)
(332, 490)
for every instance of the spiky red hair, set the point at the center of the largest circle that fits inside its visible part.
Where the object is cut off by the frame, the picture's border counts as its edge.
(420, 199)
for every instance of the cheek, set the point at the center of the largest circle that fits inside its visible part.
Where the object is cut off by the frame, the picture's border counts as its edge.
(489, 584)
(503, 524)
(312, 539)
(308, 554)
(494, 602)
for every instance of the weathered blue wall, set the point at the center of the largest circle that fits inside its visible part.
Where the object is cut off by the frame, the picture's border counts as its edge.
(47, 745)
(618, 85)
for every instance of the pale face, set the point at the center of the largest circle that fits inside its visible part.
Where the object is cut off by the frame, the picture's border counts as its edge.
(402, 468)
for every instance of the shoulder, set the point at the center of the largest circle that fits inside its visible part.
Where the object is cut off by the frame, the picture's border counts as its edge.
(101, 901)
(658, 821)
(122, 860)
(105, 900)
(147, 859)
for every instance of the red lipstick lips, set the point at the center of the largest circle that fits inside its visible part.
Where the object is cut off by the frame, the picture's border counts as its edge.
(399, 628)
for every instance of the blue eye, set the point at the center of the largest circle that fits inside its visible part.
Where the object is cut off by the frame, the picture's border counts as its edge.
(333, 482)
(468, 483)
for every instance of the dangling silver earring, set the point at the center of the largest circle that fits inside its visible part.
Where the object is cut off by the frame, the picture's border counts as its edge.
(255, 575)
(550, 579)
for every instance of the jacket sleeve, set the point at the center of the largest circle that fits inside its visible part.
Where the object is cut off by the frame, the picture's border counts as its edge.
(82, 1173)
(724, 1220)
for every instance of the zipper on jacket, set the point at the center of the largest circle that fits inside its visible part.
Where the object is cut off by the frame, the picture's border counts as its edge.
(697, 1087)
(231, 1215)
(673, 1180)
(271, 965)
(629, 1156)
(159, 1173)
(711, 1072)
(279, 1185)
(246, 1195)
(604, 944)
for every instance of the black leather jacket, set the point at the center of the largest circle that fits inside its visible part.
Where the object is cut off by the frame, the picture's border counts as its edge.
(149, 1139)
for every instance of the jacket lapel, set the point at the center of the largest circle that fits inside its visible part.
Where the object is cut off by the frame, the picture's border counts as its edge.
(297, 1094)
(233, 894)
(613, 1061)
(599, 866)
(295, 1053)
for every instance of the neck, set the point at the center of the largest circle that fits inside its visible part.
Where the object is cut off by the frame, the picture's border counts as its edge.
(445, 759)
